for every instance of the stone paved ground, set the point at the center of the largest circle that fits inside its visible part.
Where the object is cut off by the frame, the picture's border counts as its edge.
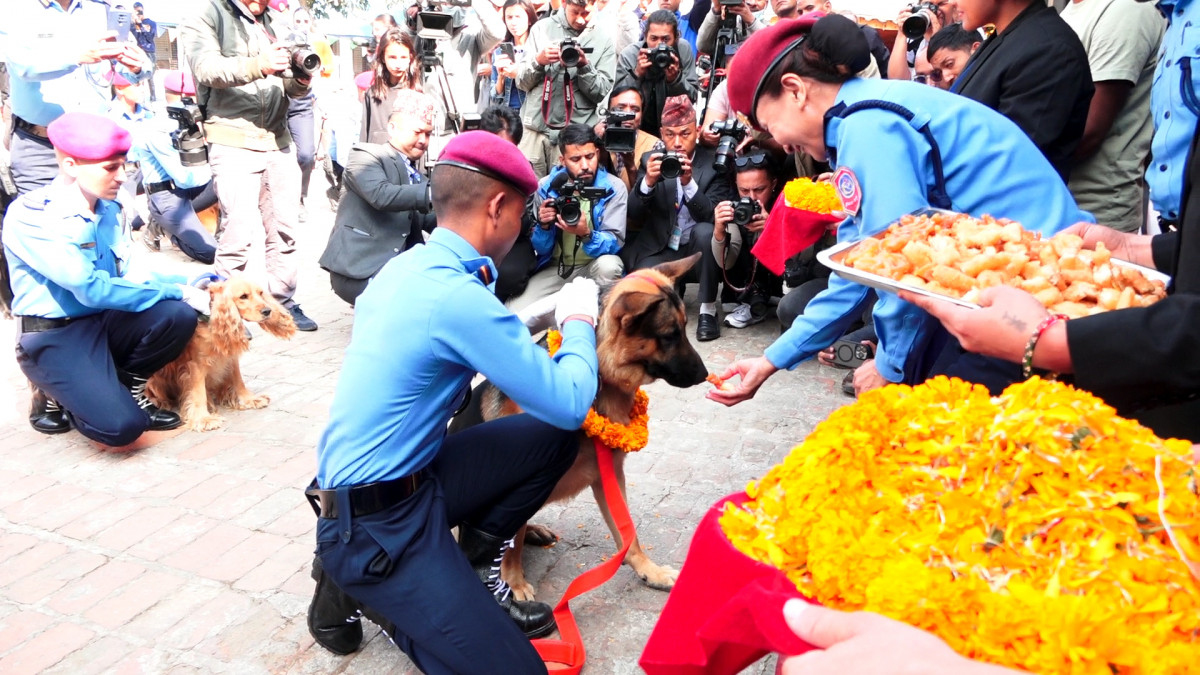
(193, 554)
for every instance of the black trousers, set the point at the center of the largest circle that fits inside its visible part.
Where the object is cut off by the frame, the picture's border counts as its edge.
(403, 562)
(77, 364)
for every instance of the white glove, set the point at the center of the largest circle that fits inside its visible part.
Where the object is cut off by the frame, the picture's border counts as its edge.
(582, 297)
(539, 316)
(196, 298)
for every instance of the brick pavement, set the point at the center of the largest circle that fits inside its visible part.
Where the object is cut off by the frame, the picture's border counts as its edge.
(193, 554)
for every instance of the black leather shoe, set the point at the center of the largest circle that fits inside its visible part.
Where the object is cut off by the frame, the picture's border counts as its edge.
(160, 420)
(334, 617)
(484, 552)
(46, 415)
(708, 328)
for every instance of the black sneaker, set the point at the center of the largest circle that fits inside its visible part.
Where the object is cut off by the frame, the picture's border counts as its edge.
(303, 323)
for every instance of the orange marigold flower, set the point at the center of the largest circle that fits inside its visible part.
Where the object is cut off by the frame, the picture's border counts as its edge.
(625, 437)
(1036, 529)
(808, 195)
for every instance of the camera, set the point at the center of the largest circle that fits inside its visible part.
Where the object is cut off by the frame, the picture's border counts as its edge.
(305, 62)
(570, 51)
(567, 203)
(731, 133)
(188, 139)
(914, 27)
(618, 138)
(672, 165)
(661, 58)
(744, 210)
(850, 353)
(732, 3)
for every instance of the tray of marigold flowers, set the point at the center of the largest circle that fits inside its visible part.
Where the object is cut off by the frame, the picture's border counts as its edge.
(955, 257)
(1035, 529)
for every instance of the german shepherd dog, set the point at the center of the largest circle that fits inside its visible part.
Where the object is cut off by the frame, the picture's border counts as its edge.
(640, 337)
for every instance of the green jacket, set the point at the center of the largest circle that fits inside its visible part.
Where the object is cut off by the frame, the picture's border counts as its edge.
(243, 108)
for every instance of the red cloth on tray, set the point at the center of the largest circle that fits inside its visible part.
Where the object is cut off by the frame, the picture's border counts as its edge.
(725, 612)
(789, 231)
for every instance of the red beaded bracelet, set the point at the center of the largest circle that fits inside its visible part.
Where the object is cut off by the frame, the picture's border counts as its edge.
(1027, 359)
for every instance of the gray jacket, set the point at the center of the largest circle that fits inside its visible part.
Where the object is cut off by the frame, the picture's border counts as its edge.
(706, 37)
(656, 92)
(591, 82)
(226, 47)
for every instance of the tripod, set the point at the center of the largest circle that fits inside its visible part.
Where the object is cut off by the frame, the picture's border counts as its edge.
(726, 36)
(431, 63)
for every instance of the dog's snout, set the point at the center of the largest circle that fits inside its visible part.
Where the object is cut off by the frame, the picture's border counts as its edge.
(266, 311)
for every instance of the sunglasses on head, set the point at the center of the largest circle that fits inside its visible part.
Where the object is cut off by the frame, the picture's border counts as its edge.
(756, 160)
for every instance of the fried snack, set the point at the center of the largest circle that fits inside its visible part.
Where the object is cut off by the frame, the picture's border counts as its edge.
(717, 382)
(958, 255)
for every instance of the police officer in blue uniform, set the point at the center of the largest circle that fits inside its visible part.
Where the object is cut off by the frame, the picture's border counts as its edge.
(1175, 105)
(895, 147)
(92, 330)
(390, 484)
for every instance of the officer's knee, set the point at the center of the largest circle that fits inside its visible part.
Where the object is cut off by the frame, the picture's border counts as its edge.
(116, 432)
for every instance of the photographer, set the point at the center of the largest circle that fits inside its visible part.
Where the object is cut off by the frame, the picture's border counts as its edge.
(662, 66)
(626, 101)
(918, 23)
(745, 20)
(386, 204)
(580, 219)
(244, 101)
(736, 226)
(674, 198)
(567, 84)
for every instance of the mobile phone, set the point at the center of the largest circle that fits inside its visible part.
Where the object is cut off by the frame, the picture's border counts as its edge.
(508, 50)
(119, 20)
(851, 353)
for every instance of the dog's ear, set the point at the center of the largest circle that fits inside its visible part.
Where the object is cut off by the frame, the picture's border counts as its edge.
(215, 288)
(280, 323)
(635, 309)
(677, 268)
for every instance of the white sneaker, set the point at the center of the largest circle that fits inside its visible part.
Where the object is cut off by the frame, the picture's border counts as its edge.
(740, 317)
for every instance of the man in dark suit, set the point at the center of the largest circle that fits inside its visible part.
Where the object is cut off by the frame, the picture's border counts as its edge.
(386, 204)
(1033, 70)
(677, 213)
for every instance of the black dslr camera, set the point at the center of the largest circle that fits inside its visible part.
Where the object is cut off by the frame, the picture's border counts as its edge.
(731, 133)
(672, 165)
(567, 203)
(914, 27)
(661, 58)
(744, 210)
(305, 62)
(570, 51)
(618, 138)
(188, 139)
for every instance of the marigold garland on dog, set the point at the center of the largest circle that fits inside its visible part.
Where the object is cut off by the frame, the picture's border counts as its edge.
(626, 437)
(1036, 529)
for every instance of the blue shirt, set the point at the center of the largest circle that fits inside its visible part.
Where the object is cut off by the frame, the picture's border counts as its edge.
(991, 167)
(45, 81)
(608, 218)
(1174, 104)
(423, 328)
(145, 35)
(66, 261)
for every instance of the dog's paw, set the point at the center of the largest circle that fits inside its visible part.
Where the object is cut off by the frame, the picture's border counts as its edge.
(206, 423)
(658, 577)
(539, 535)
(522, 590)
(252, 402)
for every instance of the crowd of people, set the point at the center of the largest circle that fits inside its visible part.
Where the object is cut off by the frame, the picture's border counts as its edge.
(583, 140)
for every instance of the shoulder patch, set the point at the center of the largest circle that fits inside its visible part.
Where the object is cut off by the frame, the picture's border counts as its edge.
(848, 190)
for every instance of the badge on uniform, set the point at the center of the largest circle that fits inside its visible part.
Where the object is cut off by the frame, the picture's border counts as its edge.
(848, 190)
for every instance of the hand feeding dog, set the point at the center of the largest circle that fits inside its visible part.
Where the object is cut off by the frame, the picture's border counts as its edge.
(640, 337)
(207, 375)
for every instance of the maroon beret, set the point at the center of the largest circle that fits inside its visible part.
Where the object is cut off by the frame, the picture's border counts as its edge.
(117, 80)
(838, 39)
(364, 80)
(179, 82)
(492, 156)
(87, 136)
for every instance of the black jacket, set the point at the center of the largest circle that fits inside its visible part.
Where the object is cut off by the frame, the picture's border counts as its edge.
(1145, 362)
(380, 215)
(657, 210)
(1036, 74)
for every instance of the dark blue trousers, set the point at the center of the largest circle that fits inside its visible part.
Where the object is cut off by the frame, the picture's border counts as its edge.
(33, 161)
(175, 210)
(403, 562)
(77, 364)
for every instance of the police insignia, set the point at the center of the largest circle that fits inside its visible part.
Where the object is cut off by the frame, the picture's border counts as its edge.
(848, 190)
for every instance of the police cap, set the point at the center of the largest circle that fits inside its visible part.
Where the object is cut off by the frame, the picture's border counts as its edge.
(492, 156)
(88, 137)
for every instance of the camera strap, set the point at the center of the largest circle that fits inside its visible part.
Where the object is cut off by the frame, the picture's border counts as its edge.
(568, 100)
(725, 271)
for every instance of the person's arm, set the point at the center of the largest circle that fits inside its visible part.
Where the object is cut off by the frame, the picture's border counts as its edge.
(706, 36)
(364, 175)
(700, 203)
(558, 390)
(897, 68)
(203, 47)
(595, 79)
(530, 73)
(688, 82)
(545, 234)
(609, 235)
(1107, 102)
(490, 29)
(627, 67)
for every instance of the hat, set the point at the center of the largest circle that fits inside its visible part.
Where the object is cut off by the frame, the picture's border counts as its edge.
(179, 82)
(116, 79)
(838, 39)
(412, 103)
(87, 136)
(278, 5)
(677, 111)
(364, 79)
(492, 156)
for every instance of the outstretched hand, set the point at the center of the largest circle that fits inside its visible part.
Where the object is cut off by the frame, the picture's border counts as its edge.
(754, 372)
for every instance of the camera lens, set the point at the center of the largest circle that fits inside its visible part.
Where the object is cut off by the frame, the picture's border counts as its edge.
(570, 55)
(914, 27)
(671, 167)
(845, 353)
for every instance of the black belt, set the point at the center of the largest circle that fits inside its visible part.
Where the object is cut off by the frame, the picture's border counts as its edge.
(152, 188)
(32, 129)
(366, 499)
(37, 324)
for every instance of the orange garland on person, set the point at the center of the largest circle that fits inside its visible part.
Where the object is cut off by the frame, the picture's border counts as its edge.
(625, 437)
